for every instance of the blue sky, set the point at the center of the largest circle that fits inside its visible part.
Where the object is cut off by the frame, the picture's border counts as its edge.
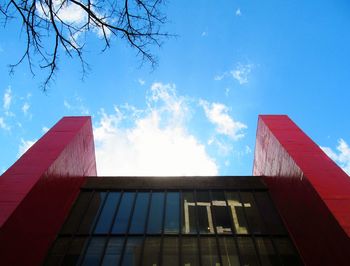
(196, 113)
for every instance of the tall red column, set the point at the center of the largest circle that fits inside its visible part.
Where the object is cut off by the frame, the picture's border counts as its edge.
(37, 192)
(310, 191)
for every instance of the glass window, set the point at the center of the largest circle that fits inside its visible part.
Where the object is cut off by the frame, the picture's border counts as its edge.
(189, 217)
(105, 220)
(266, 251)
(151, 253)
(76, 213)
(247, 251)
(209, 251)
(237, 213)
(189, 250)
(221, 214)
(122, 219)
(156, 213)
(170, 251)
(113, 251)
(73, 253)
(287, 252)
(228, 251)
(172, 212)
(57, 251)
(254, 219)
(140, 213)
(94, 251)
(132, 252)
(92, 212)
(205, 221)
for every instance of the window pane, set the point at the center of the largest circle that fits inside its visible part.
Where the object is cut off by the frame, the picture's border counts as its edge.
(287, 252)
(151, 251)
(266, 251)
(113, 251)
(57, 251)
(132, 252)
(74, 251)
(170, 251)
(220, 212)
(156, 213)
(189, 251)
(94, 251)
(228, 251)
(172, 213)
(209, 251)
(255, 221)
(76, 213)
(140, 213)
(189, 214)
(106, 216)
(121, 221)
(236, 211)
(247, 250)
(205, 221)
(90, 216)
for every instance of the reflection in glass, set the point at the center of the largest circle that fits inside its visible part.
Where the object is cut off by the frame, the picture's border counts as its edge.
(255, 222)
(189, 214)
(113, 251)
(172, 212)
(247, 250)
(74, 251)
(57, 251)
(228, 251)
(156, 213)
(140, 213)
(104, 222)
(151, 251)
(94, 251)
(220, 212)
(189, 250)
(287, 252)
(237, 213)
(266, 251)
(205, 221)
(170, 251)
(91, 213)
(132, 252)
(209, 251)
(122, 219)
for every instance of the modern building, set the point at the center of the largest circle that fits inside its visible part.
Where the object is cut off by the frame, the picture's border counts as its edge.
(294, 210)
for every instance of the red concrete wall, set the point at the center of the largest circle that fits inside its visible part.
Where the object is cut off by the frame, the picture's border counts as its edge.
(37, 192)
(310, 191)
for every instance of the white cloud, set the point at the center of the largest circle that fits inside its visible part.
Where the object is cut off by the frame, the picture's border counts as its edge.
(45, 129)
(3, 124)
(76, 106)
(217, 114)
(7, 99)
(204, 33)
(141, 82)
(24, 146)
(341, 156)
(25, 108)
(241, 73)
(157, 142)
(238, 12)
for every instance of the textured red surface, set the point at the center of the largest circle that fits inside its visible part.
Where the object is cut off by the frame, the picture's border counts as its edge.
(310, 191)
(36, 193)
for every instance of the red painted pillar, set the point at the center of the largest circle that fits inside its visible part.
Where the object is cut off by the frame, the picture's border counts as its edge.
(310, 191)
(37, 192)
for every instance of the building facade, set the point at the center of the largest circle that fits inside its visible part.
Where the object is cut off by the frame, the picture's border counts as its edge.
(294, 210)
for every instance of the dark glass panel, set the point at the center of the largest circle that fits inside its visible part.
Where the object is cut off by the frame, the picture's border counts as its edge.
(220, 213)
(205, 221)
(272, 220)
(209, 251)
(76, 214)
(75, 249)
(140, 213)
(287, 252)
(122, 219)
(266, 251)
(189, 250)
(151, 251)
(94, 251)
(57, 251)
(92, 212)
(189, 217)
(156, 213)
(228, 251)
(105, 220)
(255, 221)
(172, 213)
(247, 251)
(236, 212)
(132, 252)
(170, 251)
(113, 251)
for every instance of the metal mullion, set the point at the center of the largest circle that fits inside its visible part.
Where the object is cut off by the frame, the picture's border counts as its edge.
(160, 258)
(249, 228)
(180, 227)
(197, 227)
(145, 226)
